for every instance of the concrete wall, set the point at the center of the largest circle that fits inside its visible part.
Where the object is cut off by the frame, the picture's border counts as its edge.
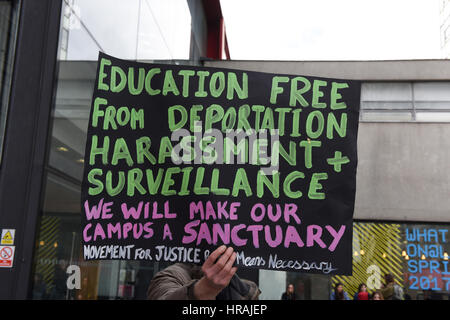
(404, 168)
(403, 172)
(394, 70)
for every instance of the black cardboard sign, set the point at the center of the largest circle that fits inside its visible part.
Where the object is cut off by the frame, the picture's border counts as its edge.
(180, 160)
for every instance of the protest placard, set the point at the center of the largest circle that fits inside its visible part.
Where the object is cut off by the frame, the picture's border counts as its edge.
(182, 159)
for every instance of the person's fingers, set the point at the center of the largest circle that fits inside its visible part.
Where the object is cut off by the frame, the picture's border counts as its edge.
(230, 263)
(218, 266)
(230, 275)
(227, 268)
(213, 256)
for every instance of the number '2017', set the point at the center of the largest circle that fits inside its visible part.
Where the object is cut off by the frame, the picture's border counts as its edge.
(418, 283)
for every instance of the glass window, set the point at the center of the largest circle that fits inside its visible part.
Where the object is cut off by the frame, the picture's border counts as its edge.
(134, 29)
(432, 95)
(416, 255)
(386, 95)
(433, 116)
(386, 116)
(137, 29)
(405, 101)
(8, 29)
(386, 101)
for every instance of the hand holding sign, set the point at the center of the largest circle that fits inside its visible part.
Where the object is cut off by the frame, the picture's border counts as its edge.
(218, 270)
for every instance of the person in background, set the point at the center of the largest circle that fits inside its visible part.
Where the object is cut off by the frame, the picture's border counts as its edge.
(339, 293)
(39, 288)
(407, 295)
(289, 294)
(362, 293)
(430, 295)
(377, 296)
(216, 279)
(59, 290)
(391, 290)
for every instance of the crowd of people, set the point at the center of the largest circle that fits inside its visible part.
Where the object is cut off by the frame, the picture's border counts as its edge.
(362, 294)
(216, 279)
(389, 291)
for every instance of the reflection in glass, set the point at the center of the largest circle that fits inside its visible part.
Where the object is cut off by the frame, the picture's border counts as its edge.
(133, 29)
(8, 28)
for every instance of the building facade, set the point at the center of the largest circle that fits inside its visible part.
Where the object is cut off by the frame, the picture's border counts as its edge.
(402, 205)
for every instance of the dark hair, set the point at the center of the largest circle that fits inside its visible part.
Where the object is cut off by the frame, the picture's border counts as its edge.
(377, 293)
(338, 295)
(360, 286)
(388, 278)
(287, 288)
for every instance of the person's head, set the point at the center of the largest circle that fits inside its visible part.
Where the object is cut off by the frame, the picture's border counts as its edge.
(339, 291)
(290, 288)
(427, 294)
(38, 277)
(63, 264)
(377, 296)
(388, 278)
(339, 287)
(362, 287)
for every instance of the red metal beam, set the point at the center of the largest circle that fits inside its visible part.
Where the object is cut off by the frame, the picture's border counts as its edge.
(217, 44)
